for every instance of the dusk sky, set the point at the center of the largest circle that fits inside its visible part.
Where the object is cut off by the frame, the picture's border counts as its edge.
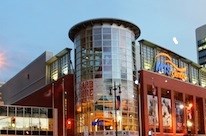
(30, 27)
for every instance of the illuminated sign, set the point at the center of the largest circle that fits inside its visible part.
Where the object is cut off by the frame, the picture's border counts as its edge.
(169, 68)
(86, 88)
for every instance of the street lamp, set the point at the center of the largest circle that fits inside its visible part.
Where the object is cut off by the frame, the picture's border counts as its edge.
(114, 88)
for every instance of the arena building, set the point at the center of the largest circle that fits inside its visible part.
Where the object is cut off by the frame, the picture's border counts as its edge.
(118, 87)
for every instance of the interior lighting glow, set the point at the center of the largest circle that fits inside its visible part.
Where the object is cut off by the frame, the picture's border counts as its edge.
(189, 123)
(181, 106)
(2, 60)
(190, 105)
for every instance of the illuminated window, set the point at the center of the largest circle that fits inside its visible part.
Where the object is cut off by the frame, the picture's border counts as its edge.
(203, 79)
(64, 64)
(24, 121)
(183, 64)
(175, 61)
(166, 110)
(147, 57)
(54, 70)
(179, 109)
(194, 75)
(19, 123)
(201, 41)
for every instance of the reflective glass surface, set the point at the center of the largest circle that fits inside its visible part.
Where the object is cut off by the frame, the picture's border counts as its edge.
(106, 93)
(16, 120)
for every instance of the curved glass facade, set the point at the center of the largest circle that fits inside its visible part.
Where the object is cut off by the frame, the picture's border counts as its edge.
(105, 65)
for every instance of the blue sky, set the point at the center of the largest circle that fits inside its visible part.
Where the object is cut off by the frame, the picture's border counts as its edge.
(30, 27)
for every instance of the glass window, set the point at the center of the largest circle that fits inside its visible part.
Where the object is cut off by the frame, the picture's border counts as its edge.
(97, 37)
(98, 43)
(89, 32)
(107, 75)
(106, 30)
(152, 105)
(147, 57)
(19, 112)
(106, 36)
(19, 123)
(64, 64)
(202, 48)
(43, 112)
(35, 112)
(202, 60)
(35, 124)
(3, 110)
(27, 124)
(107, 49)
(115, 34)
(107, 43)
(194, 75)
(50, 113)
(166, 110)
(54, 70)
(199, 115)
(97, 30)
(122, 32)
(175, 61)
(107, 68)
(183, 64)
(27, 112)
(4, 122)
(179, 112)
(11, 111)
(203, 78)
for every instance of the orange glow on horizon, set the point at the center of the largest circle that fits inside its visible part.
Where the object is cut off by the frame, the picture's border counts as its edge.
(2, 60)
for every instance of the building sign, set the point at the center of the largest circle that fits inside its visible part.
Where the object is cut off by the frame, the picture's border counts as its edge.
(86, 88)
(168, 68)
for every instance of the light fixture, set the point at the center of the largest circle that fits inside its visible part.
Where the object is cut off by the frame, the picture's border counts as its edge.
(181, 106)
(136, 82)
(189, 123)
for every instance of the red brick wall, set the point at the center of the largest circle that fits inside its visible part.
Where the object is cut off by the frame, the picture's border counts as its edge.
(166, 82)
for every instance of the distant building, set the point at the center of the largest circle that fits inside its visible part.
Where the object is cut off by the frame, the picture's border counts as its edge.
(201, 45)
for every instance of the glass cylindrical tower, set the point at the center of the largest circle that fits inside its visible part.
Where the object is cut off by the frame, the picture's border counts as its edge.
(105, 64)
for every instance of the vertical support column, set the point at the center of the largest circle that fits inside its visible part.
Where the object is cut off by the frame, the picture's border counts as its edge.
(173, 113)
(139, 108)
(194, 116)
(63, 109)
(185, 115)
(53, 109)
(204, 109)
(160, 110)
(144, 110)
